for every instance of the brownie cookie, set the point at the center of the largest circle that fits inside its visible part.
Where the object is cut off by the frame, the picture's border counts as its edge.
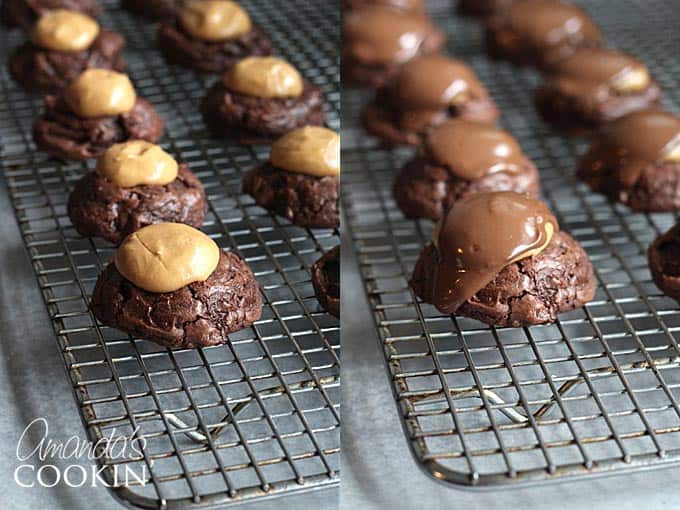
(23, 13)
(460, 158)
(664, 262)
(501, 259)
(260, 99)
(95, 111)
(171, 284)
(636, 161)
(540, 32)
(326, 281)
(425, 92)
(377, 40)
(211, 35)
(482, 8)
(301, 179)
(135, 184)
(154, 9)
(63, 45)
(595, 86)
(404, 5)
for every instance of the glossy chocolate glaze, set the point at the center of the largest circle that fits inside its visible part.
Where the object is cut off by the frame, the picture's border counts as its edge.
(592, 72)
(427, 85)
(637, 140)
(473, 150)
(376, 34)
(550, 22)
(482, 234)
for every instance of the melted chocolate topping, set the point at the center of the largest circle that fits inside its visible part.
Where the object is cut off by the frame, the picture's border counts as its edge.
(427, 85)
(479, 236)
(590, 72)
(473, 150)
(548, 23)
(637, 140)
(376, 34)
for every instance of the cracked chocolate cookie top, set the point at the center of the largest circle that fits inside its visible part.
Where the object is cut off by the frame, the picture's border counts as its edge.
(479, 236)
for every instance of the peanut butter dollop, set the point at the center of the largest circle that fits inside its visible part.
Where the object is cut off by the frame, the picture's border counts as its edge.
(482, 234)
(310, 150)
(64, 30)
(100, 93)
(215, 20)
(267, 77)
(166, 257)
(136, 163)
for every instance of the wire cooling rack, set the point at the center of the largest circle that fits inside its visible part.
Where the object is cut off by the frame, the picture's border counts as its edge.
(595, 392)
(255, 418)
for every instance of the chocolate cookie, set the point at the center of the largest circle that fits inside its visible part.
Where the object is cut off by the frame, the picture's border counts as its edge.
(252, 120)
(540, 32)
(197, 315)
(664, 262)
(532, 291)
(425, 92)
(326, 281)
(153, 9)
(482, 8)
(42, 70)
(501, 259)
(593, 87)
(377, 40)
(23, 13)
(66, 136)
(636, 161)
(99, 208)
(304, 200)
(460, 158)
(178, 47)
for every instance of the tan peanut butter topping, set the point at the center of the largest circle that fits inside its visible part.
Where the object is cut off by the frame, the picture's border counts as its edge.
(637, 140)
(310, 150)
(377, 34)
(473, 150)
(166, 257)
(427, 85)
(215, 20)
(100, 93)
(137, 163)
(591, 72)
(267, 77)
(550, 24)
(64, 30)
(482, 234)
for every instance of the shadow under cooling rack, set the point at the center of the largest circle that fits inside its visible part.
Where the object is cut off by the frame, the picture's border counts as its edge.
(595, 392)
(257, 417)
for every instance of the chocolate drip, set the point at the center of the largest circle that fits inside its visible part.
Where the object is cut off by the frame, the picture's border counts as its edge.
(592, 72)
(482, 234)
(637, 140)
(427, 85)
(376, 34)
(472, 150)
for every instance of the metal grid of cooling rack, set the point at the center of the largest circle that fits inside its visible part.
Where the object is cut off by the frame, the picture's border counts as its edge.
(596, 392)
(255, 418)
